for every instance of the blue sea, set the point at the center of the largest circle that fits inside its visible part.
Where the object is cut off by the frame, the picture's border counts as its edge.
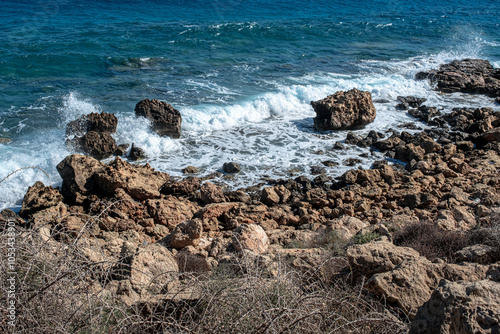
(241, 72)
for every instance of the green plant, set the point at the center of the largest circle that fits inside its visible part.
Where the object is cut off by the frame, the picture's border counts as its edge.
(365, 238)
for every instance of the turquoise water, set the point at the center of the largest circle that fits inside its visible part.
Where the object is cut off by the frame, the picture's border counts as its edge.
(242, 73)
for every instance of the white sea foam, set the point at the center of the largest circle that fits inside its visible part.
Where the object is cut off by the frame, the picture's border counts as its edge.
(268, 134)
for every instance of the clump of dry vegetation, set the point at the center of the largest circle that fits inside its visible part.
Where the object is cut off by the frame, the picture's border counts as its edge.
(59, 290)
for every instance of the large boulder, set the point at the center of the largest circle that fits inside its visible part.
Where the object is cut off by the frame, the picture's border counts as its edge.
(165, 119)
(211, 193)
(39, 197)
(77, 172)
(141, 182)
(466, 76)
(460, 307)
(251, 237)
(344, 110)
(403, 277)
(103, 122)
(99, 145)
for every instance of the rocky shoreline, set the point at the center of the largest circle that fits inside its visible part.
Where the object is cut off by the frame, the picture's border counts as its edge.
(422, 234)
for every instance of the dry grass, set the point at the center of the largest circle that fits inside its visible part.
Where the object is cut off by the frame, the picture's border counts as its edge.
(59, 290)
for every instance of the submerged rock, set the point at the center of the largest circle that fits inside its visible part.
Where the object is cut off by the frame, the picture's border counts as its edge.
(344, 110)
(4, 140)
(165, 119)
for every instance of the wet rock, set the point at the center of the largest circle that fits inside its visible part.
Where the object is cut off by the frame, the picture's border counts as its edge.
(424, 113)
(77, 172)
(316, 170)
(409, 102)
(466, 76)
(5, 140)
(330, 163)
(103, 122)
(211, 193)
(165, 120)
(251, 237)
(136, 153)
(190, 170)
(39, 197)
(99, 145)
(460, 307)
(121, 150)
(231, 167)
(184, 234)
(344, 110)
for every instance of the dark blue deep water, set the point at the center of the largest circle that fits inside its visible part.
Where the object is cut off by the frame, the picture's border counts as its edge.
(241, 72)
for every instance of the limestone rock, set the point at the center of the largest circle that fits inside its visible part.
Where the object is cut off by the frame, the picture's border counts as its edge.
(170, 211)
(211, 193)
(39, 197)
(139, 181)
(251, 237)
(165, 119)
(460, 307)
(184, 234)
(344, 110)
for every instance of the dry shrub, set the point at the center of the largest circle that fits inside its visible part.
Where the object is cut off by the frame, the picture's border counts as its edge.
(431, 241)
(59, 290)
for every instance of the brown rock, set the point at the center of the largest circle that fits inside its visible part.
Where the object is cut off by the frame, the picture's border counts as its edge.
(251, 237)
(99, 145)
(460, 307)
(139, 181)
(190, 170)
(344, 110)
(103, 122)
(39, 197)
(170, 210)
(467, 76)
(185, 187)
(211, 193)
(184, 234)
(165, 120)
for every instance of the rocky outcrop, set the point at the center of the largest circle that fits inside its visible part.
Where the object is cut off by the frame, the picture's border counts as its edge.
(140, 182)
(460, 307)
(77, 172)
(165, 119)
(231, 167)
(466, 76)
(92, 134)
(99, 145)
(344, 110)
(402, 276)
(39, 197)
(103, 122)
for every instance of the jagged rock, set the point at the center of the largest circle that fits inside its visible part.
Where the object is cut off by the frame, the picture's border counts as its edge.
(39, 197)
(136, 153)
(344, 110)
(184, 234)
(491, 135)
(402, 276)
(190, 170)
(231, 167)
(140, 182)
(99, 145)
(467, 76)
(460, 307)
(477, 253)
(165, 120)
(77, 172)
(211, 193)
(170, 210)
(121, 150)
(237, 196)
(409, 102)
(103, 122)
(185, 187)
(251, 237)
